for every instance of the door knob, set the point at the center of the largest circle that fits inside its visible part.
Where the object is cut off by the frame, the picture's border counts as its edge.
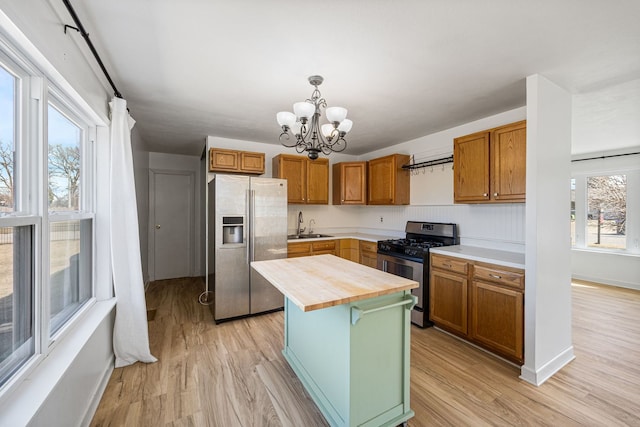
(157, 226)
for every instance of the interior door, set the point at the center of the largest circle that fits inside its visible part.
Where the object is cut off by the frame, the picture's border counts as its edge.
(172, 213)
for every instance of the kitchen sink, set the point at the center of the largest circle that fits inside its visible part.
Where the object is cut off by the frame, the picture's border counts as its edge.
(306, 236)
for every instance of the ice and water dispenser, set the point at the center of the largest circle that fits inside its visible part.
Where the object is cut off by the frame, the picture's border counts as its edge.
(232, 230)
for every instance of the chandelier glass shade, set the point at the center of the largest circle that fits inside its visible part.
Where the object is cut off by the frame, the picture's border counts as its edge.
(302, 129)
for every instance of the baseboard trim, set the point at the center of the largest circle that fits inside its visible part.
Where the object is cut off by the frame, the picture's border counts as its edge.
(538, 377)
(97, 396)
(606, 282)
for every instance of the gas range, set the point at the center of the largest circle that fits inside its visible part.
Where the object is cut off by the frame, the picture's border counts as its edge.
(420, 237)
(410, 247)
(409, 258)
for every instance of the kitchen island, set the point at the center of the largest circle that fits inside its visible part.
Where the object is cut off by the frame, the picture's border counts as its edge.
(347, 336)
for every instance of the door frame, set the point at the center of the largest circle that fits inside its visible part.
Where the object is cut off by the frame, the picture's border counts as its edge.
(190, 218)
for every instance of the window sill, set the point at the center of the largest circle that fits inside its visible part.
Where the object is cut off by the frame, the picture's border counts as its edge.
(620, 252)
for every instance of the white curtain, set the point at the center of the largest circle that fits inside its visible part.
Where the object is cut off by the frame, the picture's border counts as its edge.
(130, 333)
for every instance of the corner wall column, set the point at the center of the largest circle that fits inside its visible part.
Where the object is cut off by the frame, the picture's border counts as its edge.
(548, 342)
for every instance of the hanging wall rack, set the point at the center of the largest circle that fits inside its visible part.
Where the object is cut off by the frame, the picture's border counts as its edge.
(428, 163)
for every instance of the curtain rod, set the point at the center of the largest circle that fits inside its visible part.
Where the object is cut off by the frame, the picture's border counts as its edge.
(85, 35)
(605, 157)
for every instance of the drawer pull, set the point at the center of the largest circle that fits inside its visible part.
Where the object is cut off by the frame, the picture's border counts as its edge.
(495, 276)
(446, 265)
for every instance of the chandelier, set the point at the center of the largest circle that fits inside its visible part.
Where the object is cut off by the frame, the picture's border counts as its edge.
(304, 124)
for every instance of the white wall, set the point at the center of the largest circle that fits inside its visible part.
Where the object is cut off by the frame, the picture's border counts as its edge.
(42, 23)
(141, 176)
(548, 345)
(609, 268)
(77, 394)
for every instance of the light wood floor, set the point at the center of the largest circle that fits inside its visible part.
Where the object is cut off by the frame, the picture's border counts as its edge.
(233, 374)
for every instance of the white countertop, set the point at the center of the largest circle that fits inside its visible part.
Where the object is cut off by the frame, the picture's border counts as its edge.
(359, 236)
(476, 253)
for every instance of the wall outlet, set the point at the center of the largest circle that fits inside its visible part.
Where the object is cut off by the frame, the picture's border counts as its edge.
(381, 219)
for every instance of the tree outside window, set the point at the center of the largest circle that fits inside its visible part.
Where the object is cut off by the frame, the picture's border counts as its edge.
(64, 163)
(607, 211)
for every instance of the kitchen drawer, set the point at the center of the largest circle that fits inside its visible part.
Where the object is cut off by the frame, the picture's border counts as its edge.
(499, 275)
(368, 246)
(328, 252)
(324, 245)
(449, 264)
(298, 249)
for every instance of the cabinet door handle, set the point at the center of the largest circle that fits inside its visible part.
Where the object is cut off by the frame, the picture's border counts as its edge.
(495, 276)
(485, 195)
(495, 194)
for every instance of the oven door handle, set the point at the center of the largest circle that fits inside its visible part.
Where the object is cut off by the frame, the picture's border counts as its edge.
(357, 313)
(385, 265)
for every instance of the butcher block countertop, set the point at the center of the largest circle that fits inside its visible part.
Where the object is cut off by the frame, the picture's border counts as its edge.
(321, 281)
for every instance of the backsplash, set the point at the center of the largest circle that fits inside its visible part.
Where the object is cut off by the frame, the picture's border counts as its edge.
(498, 226)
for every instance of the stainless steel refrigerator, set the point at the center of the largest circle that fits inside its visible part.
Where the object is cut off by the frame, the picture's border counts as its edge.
(247, 221)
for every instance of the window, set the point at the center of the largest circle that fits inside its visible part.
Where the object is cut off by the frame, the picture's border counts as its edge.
(46, 225)
(17, 234)
(70, 228)
(7, 134)
(607, 211)
(605, 204)
(16, 298)
(65, 139)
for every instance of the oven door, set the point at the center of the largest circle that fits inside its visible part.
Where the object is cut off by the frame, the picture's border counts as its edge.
(408, 269)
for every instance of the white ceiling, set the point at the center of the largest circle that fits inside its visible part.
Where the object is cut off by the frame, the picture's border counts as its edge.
(193, 68)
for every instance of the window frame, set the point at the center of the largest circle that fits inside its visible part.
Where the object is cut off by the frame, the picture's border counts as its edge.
(619, 165)
(27, 210)
(86, 210)
(36, 89)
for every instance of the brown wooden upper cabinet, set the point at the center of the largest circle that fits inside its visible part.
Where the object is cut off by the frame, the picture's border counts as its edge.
(307, 180)
(490, 166)
(388, 183)
(234, 161)
(350, 183)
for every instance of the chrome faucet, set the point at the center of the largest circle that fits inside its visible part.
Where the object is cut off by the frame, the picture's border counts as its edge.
(298, 229)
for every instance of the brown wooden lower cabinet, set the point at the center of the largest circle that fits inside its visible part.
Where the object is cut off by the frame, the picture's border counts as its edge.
(448, 300)
(497, 319)
(355, 250)
(480, 302)
(298, 249)
(322, 247)
(368, 253)
(349, 249)
(315, 247)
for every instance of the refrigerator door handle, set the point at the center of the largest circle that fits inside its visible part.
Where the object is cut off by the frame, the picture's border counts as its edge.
(252, 199)
(248, 228)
